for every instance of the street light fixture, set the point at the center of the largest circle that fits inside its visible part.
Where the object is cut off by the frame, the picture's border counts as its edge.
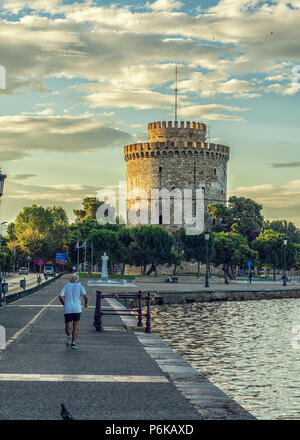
(206, 275)
(1, 224)
(284, 245)
(2, 178)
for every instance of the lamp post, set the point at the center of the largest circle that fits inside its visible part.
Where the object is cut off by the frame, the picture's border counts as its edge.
(2, 178)
(206, 275)
(1, 225)
(284, 270)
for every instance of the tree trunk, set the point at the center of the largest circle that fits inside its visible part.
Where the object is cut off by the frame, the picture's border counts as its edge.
(155, 266)
(152, 268)
(232, 277)
(123, 268)
(198, 274)
(274, 272)
(175, 270)
(111, 269)
(144, 269)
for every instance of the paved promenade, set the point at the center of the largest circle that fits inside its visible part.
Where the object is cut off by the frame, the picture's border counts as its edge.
(114, 375)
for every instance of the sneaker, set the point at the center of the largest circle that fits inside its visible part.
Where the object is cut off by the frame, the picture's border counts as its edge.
(74, 345)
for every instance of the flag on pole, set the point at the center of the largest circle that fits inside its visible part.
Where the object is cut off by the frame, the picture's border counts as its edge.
(77, 246)
(83, 245)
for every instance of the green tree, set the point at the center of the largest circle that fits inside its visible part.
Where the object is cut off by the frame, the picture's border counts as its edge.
(90, 206)
(39, 232)
(297, 255)
(105, 240)
(222, 217)
(151, 245)
(194, 247)
(270, 247)
(232, 249)
(242, 216)
(6, 259)
(125, 238)
(284, 227)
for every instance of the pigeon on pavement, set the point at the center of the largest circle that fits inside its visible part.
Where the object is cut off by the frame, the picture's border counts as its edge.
(65, 415)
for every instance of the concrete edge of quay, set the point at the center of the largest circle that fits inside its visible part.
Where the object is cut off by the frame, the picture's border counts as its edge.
(17, 295)
(225, 295)
(164, 297)
(210, 402)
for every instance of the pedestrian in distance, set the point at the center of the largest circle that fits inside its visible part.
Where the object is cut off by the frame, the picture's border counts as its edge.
(70, 297)
(250, 276)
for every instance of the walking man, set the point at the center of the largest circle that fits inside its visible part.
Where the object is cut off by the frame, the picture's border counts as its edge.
(70, 297)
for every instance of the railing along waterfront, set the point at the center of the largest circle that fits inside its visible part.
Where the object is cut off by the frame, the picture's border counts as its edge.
(100, 312)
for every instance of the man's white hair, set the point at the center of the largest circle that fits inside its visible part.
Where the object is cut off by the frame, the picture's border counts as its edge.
(74, 278)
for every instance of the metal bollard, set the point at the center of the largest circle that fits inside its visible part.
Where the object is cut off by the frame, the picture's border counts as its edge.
(98, 313)
(140, 311)
(23, 284)
(3, 291)
(148, 315)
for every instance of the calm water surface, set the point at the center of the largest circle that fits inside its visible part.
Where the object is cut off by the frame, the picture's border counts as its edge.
(245, 348)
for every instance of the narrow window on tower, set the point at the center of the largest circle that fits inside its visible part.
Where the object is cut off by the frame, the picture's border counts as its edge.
(215, 171)
(160, 220)
(160, 169)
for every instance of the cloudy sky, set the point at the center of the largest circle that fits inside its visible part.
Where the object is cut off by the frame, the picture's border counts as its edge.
(84, 78)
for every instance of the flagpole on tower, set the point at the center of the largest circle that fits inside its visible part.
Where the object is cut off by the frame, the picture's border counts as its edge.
(176, 92)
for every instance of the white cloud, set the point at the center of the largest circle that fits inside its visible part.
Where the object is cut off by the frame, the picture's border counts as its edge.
(281, 89)
(165, 5)
(279, 201)
(21, 135)
(132, 53)
(210, 112)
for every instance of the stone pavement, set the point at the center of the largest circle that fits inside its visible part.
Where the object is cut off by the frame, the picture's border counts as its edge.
(114, 375)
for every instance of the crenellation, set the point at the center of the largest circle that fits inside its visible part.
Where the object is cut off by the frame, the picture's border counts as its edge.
(177, 155)
(216, 150)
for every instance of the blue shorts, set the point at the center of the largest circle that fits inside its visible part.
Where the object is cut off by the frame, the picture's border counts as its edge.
(72, 317)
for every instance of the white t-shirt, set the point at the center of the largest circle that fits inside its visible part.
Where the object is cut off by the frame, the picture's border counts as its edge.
(72, 292)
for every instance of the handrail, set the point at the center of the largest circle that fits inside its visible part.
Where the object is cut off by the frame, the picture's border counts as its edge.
(118, 312)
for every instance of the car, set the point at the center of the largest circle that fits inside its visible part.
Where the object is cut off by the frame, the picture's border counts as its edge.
(49, 270)
(23, 270)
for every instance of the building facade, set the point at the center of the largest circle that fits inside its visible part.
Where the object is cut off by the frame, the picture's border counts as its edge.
(177, 157)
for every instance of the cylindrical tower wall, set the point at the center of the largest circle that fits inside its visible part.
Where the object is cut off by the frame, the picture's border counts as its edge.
(180, 131)
(177, 164)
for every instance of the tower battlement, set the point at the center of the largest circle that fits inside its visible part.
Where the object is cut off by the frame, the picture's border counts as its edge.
(177, 156)
(172, 130)
(176, 148)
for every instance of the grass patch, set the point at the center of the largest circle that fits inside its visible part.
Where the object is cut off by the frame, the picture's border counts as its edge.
(84, 275)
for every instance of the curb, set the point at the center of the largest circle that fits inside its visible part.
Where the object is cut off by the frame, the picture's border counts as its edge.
(18, 295)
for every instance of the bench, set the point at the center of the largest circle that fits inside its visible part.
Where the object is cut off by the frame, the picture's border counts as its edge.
(172, 280)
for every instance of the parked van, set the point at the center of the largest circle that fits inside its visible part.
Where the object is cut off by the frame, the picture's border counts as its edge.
(49, 270)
